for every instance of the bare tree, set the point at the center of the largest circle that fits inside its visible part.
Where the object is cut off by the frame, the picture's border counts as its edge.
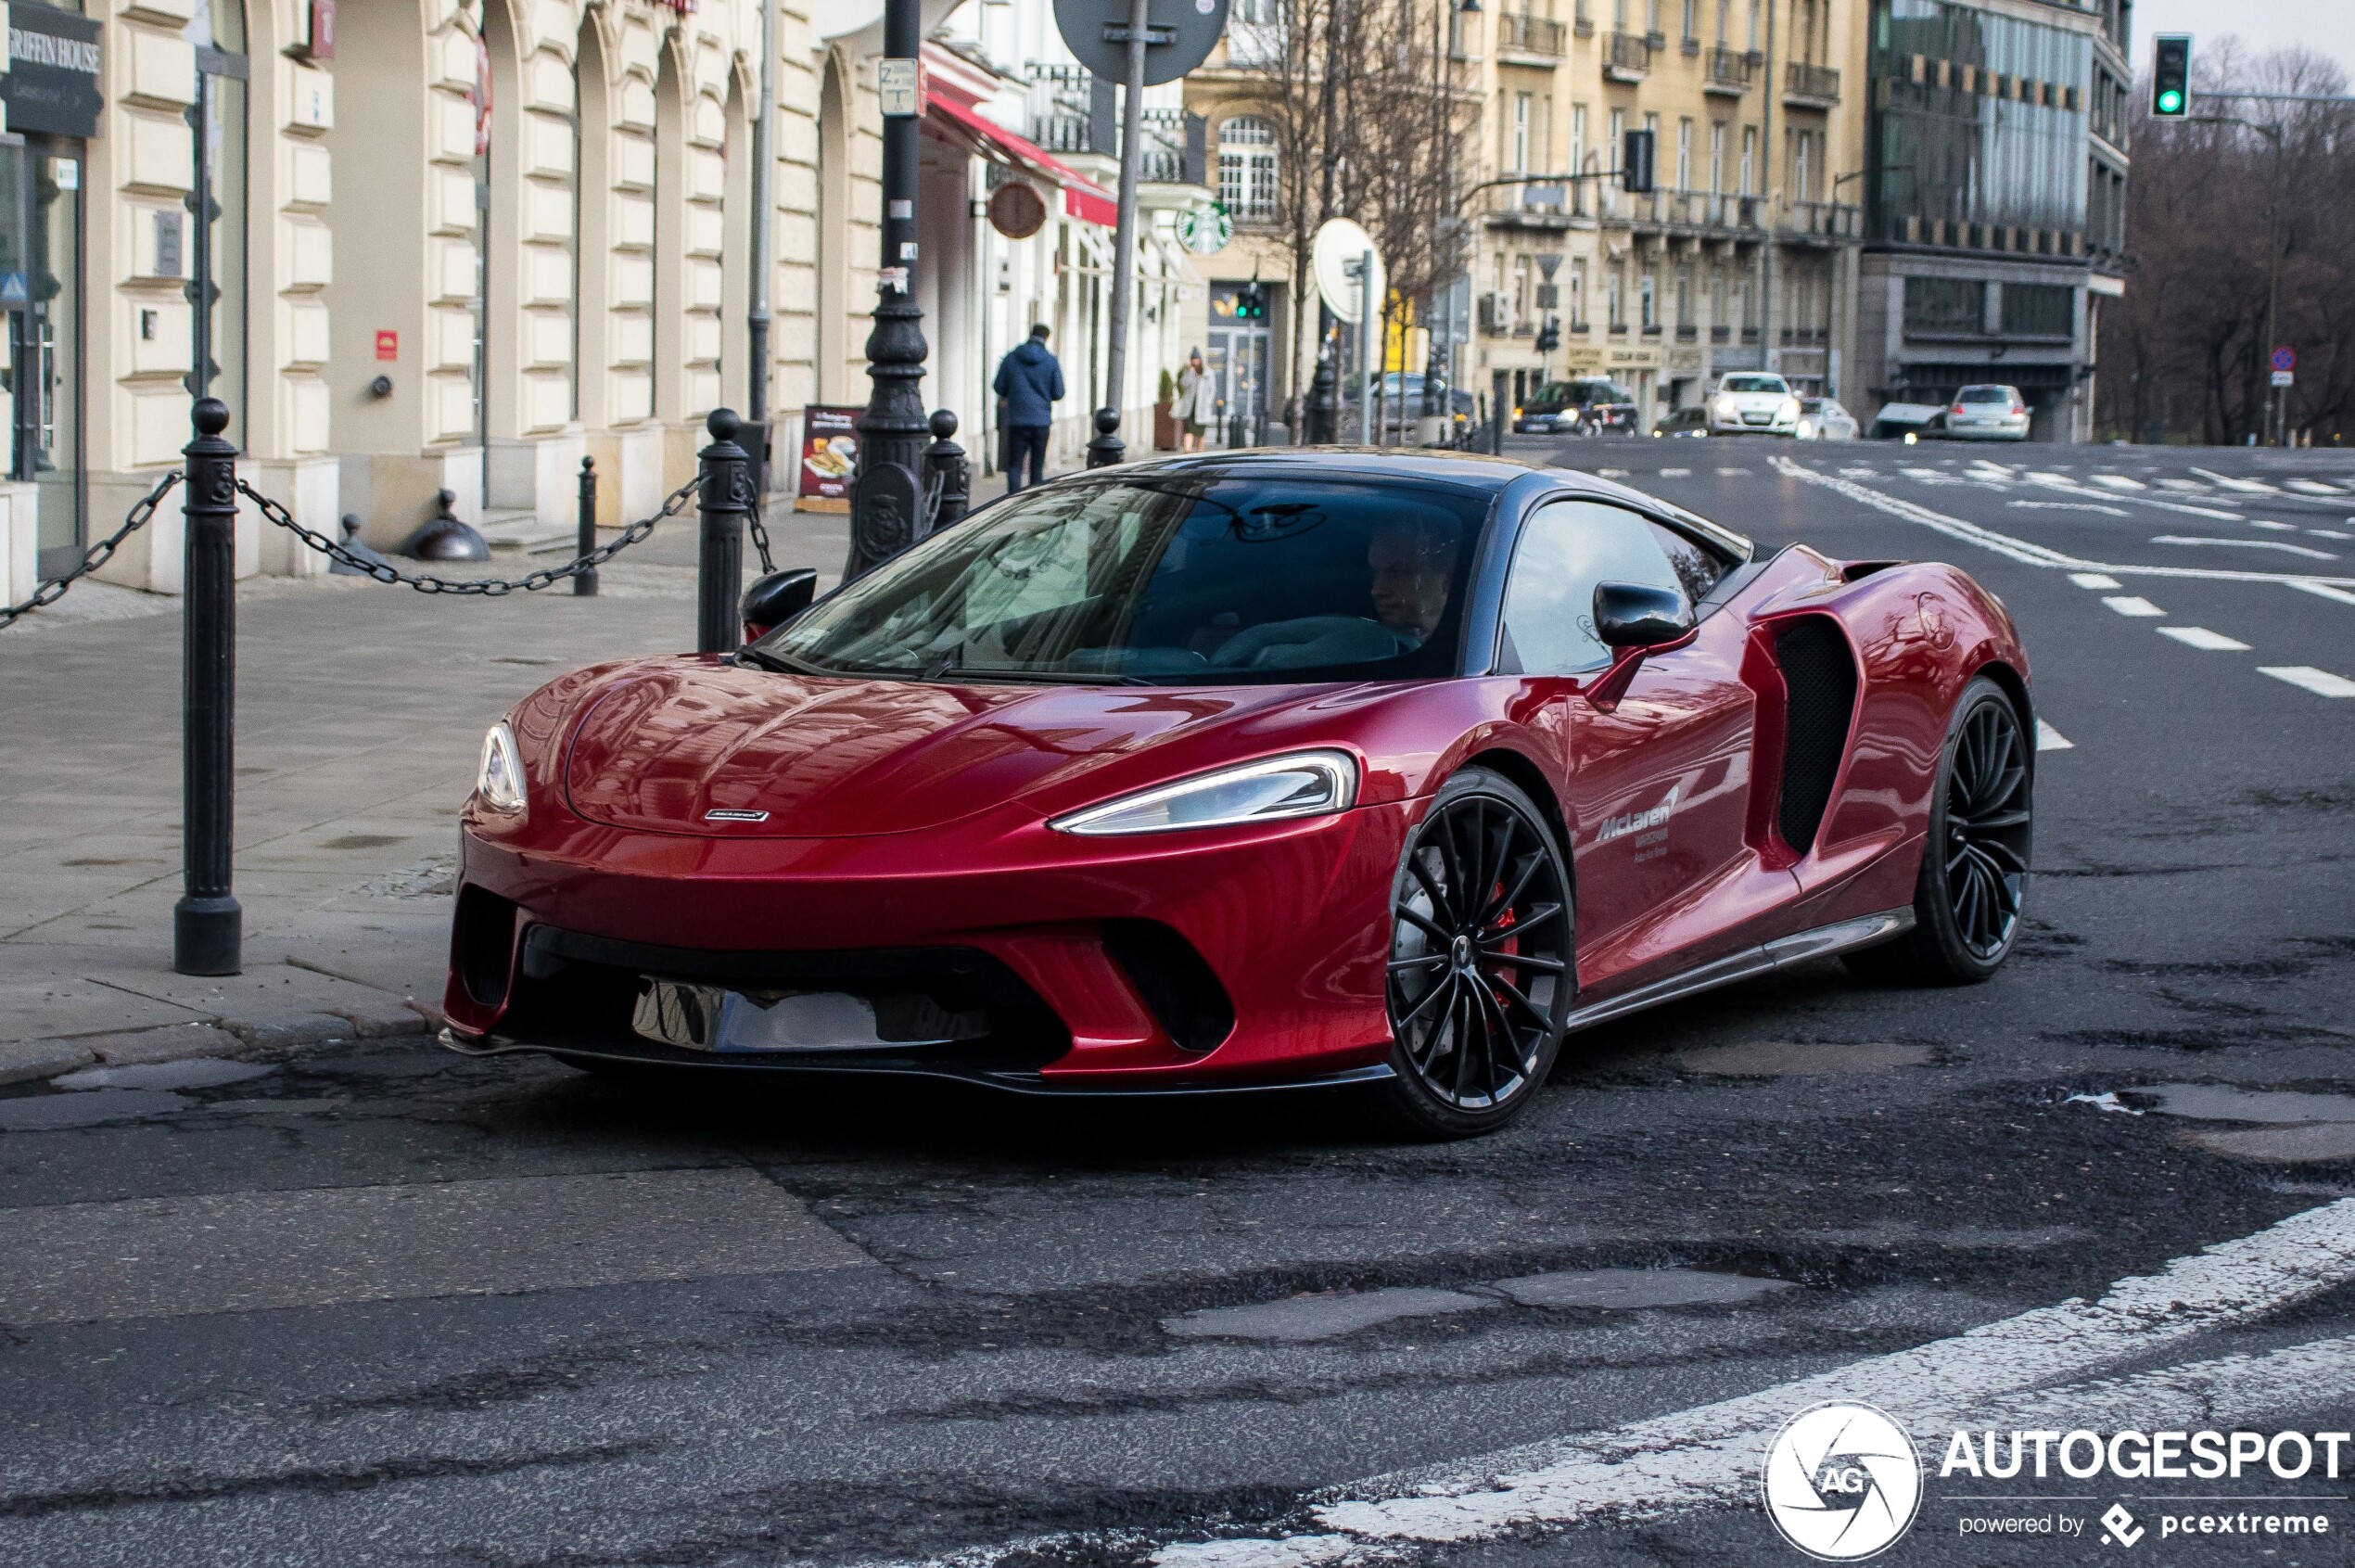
(2212, 202)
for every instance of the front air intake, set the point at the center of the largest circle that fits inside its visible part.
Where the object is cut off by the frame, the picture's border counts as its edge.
(1172, 981)
(1819, 678)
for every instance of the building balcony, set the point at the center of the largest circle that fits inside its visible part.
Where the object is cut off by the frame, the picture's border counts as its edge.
(1810, 86)
(1627, 56)
(1527, 38)
(1688, 214)
(1831, 221)
(1720, 333)
(1686, 332)
(1726, 71)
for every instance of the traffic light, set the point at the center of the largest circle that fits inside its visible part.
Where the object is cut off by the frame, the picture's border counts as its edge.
(1635, 162)
(2172, 75)
(1549, 337)
(1251, 303)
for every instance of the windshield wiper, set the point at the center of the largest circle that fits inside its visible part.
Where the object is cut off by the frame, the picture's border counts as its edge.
(1035, 677)
(763, 659)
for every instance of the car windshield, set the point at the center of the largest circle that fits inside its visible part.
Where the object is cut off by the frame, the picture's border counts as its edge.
(1753, 384)
(1985, 394)
(1167, 581)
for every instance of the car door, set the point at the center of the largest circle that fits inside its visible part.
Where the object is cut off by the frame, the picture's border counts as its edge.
(1659, 780)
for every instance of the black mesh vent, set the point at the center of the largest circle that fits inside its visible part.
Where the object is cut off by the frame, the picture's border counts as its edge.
(1820, 677)
(483, 943)
(1173, 981)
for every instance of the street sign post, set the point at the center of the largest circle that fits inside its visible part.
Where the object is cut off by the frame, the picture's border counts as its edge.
(2284, 378)
(1140, 44)
(2284, 359)
(1353, 283)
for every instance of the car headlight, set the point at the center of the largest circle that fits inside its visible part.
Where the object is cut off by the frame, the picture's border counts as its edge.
(1727, 409)
(499, 782)
(1791, 408)
(1307, 784)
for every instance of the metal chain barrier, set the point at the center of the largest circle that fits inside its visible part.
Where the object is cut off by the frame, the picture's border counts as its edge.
(751, 492)
(485, 587)
(49, 593)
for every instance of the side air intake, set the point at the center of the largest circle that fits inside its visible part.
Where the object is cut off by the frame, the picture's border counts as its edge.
(1820, 675)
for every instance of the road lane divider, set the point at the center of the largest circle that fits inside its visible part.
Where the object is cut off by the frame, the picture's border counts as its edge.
(2321, 682)
(2202, 638)
(2132, 604)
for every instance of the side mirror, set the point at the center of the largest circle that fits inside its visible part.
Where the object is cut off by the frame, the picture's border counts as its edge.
(776, 599)
(1630, 615)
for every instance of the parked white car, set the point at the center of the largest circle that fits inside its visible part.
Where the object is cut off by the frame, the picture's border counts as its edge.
(1760, 405)
(1821, 419)
(1988, 413)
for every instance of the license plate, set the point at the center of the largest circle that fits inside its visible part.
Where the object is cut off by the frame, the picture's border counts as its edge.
(713, 1018)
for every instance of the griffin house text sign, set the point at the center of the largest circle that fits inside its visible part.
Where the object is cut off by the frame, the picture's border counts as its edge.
(54, 66)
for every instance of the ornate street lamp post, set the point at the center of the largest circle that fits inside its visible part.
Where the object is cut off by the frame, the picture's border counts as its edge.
(884, 498)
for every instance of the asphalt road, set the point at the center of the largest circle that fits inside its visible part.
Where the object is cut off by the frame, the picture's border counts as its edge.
(376, 1304)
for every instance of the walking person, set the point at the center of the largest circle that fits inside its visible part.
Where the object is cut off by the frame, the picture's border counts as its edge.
(1032, 383)
(1197, 402)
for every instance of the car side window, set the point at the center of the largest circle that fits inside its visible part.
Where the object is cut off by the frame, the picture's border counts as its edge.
(1566, 548)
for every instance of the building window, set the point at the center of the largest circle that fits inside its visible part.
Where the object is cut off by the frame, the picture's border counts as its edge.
(1725, 21)
(1614, 303)
(1718, 159)
(1518, 162)
(1946, 307)
(1648, 301)
(1752, 44)
(1692, 19)
(2036, 310)
(1684, 300)
(1247, 169)
(1684, 155)
(1798, 162)
(1578, 294)
(1750, 160)
(1618, 144)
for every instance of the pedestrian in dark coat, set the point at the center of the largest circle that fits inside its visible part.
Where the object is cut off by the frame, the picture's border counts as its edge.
(1032, 383)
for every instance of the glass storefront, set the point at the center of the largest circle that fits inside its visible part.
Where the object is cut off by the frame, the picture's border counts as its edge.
(1982, 136)
(41, 217)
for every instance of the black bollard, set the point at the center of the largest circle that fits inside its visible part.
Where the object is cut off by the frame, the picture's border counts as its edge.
(1500, 403)
(207, 928)
(1323, 409)
(720, 577)
(1107, 448)
(584, 584)
(946, 461)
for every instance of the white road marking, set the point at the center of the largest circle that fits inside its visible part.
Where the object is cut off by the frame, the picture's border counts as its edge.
(2247, 487)
(2192, 485)
(2322, 589)
(2201, 637)
(2093, 580)
(1860, 473)
(2330, 533)
(2120, 481)
(2131, 604)
(1929, 476)
(2269, 523)
(2021, 550)
(2307, 550)
(2314, 487)
(1611, 473)
(2050, 739)
(2321, 682)
(1676, 473)
(1730, 473)
(1708, 1456)
(2071, 506)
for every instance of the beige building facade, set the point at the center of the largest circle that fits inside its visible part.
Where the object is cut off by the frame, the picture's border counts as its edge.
(1744, 255)
(459, 245)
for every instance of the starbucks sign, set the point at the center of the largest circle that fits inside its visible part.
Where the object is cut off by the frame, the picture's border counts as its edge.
(1206, 229)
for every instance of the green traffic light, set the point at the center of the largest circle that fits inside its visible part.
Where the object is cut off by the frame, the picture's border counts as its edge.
(2170, 101)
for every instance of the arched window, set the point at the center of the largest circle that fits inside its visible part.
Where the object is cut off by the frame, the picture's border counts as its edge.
(1247, 169)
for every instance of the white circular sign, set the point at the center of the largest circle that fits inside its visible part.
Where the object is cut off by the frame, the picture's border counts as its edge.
(1842, 1482)
(1333, 258)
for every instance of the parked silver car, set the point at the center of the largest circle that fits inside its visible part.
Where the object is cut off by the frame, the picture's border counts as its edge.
(1987, 414)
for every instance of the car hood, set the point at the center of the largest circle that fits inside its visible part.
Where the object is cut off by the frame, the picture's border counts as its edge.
(664, 746)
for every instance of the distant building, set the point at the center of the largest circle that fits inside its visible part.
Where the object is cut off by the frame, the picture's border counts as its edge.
(1995, 206)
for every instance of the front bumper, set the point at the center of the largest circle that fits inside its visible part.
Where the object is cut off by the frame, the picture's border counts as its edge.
(559, 922)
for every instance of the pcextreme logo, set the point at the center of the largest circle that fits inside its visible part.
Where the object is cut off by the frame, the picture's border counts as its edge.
(1842, 1482)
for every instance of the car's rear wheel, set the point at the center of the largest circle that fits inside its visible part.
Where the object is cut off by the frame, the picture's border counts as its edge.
(1480, 960)
(1974, 875)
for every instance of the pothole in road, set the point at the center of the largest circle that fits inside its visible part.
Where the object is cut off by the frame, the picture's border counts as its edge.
(1325, 1314)
(2290, 1128)
(1628, 1289)
(1776, 1058)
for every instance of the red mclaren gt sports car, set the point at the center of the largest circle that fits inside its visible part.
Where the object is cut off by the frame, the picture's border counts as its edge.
(1253, 768)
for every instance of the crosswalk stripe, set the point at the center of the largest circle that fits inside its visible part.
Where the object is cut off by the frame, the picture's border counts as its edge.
(2133, 605)
(2321, 682)
(2201, 637)
(2093, 580)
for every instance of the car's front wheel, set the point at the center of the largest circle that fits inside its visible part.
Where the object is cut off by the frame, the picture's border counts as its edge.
(1480, 960)
(1974, 875)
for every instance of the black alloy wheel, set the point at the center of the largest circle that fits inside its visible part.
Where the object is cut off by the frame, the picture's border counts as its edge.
(1974, 875)
(1480, 967)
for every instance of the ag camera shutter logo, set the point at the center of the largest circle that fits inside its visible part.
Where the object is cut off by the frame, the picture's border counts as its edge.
(1842, 1482)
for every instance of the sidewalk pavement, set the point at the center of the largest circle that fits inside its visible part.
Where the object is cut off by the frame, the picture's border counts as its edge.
(361, 712)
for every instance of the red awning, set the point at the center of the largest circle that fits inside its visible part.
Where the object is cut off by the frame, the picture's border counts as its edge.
(1083, 198)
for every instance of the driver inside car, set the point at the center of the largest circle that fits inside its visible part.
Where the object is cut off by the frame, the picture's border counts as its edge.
(1412, 565)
